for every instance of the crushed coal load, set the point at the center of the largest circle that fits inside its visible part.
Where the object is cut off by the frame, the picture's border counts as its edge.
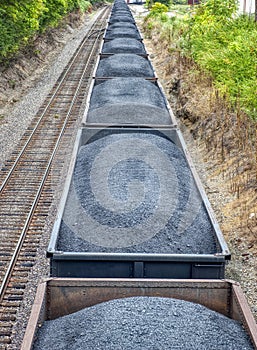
(129, 113)
(122, 33)
(143, 323)
(124, 45)
(121, 12)
(128, 101)
(134, 192)
(126, 90)
(121, 18)
(122, 25)
(125, 65)
(123, 9)
(120, 6)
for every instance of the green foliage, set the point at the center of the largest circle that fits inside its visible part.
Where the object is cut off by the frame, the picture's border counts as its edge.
(222, 44)
(84, 5)
(215, 10)
(159, 11)
(159, 8)
(225, 46)
(180, 2)
(22, 19)
(18, 21)
(55, 10)
(151, 3)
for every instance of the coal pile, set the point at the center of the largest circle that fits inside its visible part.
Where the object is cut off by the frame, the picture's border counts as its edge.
(121, 11)
(121, 25)
(133, 192)
(123, 33)
(120, 6)
(128, 101)
(121, 18)
(143, 323)
(129, 113)
(125, 65)
(126, 90)
(124, 45)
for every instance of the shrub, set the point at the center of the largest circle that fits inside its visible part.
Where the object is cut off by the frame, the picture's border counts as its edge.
(158, 10)
(151, 3)
(22, 19)
(19, 20)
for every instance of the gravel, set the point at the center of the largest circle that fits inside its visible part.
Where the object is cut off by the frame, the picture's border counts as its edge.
(133, 192)
(125, 65)
(143, 323)
(128, 101)
(122, 33)
(124, 45)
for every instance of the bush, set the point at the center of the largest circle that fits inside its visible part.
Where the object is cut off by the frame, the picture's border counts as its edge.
(151, 3)
(22, 19)
(158, 10)
(18, 22)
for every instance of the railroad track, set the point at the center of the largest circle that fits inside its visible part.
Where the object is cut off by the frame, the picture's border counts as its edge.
(28, 180)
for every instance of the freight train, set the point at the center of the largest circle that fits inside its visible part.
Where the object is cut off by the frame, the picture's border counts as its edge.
(135, 223)
(133, 205)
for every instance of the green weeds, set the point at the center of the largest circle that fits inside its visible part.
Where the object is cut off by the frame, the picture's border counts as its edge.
(223, 45)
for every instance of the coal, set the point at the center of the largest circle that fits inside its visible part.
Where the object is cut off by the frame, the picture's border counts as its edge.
(126, 90)
(121, 18)
(124, 45)
(129, 113)
(121, 25)
(128, 101)
(124, 9)
(125, 65)
(143, 323)
(120, 7)
(121, 12)
(122, 33)
(133, 192)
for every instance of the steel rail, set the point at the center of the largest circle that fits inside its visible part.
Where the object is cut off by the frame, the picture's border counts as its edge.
(48, 167)
(12, 266)
(70, 65)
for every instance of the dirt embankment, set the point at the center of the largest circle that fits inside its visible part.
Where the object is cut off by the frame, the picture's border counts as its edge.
(223, 146)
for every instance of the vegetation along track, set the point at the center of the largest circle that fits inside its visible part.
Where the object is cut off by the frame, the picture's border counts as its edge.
(27, 183)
